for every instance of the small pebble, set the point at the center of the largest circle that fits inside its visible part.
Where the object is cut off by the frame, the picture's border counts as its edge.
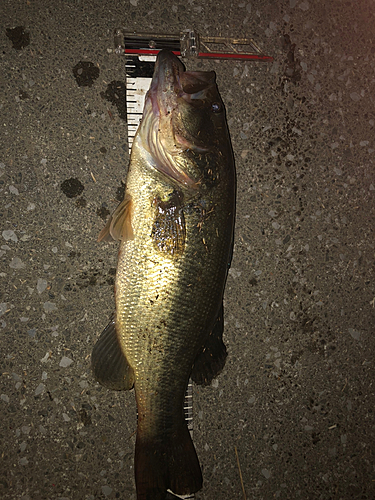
(106, 490)
(266, 473)
(45, 358)
(65, 362)
(49, 306)
(41, 285)
(16, 263)
(40, 389)
(354, 333)
(234, 273)
(9, 234)
(354, 96)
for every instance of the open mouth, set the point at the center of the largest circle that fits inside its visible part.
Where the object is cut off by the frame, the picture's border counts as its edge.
(170, 81)
(160, 136)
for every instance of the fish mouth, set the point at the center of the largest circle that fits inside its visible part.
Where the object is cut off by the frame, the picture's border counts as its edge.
(172, 86)
(170, 81)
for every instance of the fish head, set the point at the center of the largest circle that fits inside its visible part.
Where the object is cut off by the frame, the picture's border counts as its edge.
(183, 119)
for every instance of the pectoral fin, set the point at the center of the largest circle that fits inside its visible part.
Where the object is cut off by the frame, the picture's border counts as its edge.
(108, 362)
(119, 225)
(211, 360)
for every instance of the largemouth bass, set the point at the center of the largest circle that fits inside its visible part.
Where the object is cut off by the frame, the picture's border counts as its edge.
(176, 231)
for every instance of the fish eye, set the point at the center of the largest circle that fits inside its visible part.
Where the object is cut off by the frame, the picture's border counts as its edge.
(216, 107)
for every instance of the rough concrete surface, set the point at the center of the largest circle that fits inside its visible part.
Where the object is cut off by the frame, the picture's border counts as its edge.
(296, 398)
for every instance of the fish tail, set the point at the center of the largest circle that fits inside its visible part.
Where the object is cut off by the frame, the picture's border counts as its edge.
(163, 463)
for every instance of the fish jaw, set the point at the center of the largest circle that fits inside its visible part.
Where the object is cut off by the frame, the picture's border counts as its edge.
(165, 85)
(162, 134)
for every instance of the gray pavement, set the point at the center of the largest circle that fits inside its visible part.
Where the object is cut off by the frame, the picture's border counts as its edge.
(295, 402)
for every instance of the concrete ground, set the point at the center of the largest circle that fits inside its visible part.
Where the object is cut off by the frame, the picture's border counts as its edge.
(295, 402)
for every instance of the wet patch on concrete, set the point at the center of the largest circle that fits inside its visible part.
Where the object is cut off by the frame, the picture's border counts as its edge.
(292, 71)
(85, 73)
(120, 192)
(103, 212)
(116, 94)
(72, 187)
(19, 37)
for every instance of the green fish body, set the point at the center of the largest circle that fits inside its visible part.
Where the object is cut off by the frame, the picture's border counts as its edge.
(176, 228)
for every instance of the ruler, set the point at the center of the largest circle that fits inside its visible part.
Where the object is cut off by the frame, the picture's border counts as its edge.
(139, 71)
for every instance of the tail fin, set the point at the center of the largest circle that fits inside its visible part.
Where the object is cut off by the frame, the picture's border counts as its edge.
(162, 464)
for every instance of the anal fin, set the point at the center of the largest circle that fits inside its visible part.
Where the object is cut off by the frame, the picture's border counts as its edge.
(108, 362)
(211, 359)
